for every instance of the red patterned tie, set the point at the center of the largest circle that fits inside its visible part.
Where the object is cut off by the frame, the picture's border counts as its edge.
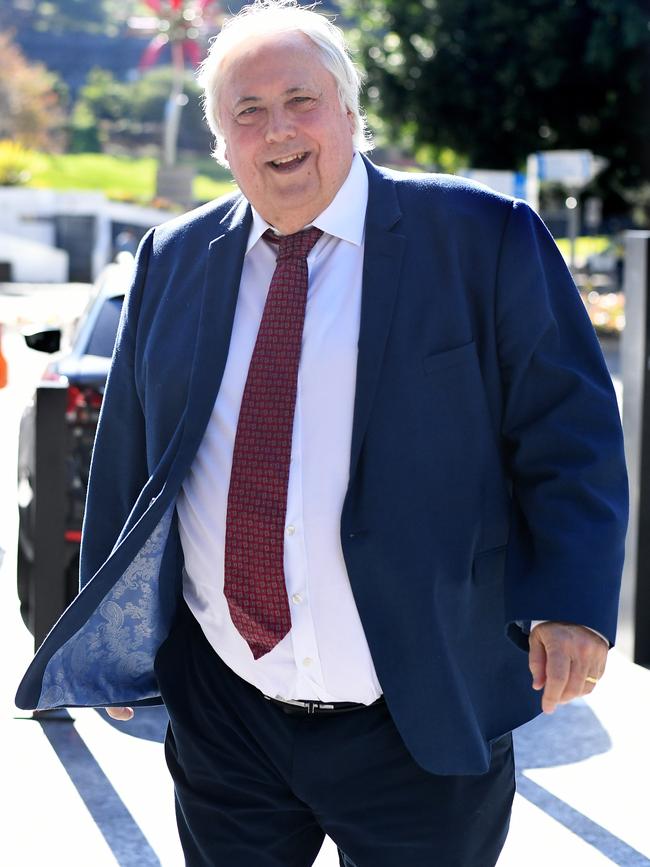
(257, 498)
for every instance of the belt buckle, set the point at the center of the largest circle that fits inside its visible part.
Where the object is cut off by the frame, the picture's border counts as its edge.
(314, 706)
(306, 705)
(310, 706)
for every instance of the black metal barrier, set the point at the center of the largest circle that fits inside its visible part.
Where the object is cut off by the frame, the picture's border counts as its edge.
(635, 597)
(48, 585)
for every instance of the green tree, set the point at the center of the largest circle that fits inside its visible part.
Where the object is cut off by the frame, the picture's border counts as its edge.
(79, 15)
(30, 110)
(104, 96)
(110, 112)
(496, 81)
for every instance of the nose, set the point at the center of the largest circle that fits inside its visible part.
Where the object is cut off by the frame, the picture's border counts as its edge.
(280, 126)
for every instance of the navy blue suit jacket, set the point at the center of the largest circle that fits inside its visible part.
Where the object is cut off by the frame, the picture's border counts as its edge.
(487, 483)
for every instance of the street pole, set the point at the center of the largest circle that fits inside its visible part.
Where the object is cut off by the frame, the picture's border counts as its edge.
(573, 206)
(174, 105)
(635, 596)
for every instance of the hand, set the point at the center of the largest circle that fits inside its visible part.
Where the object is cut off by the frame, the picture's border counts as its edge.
(561, 657)
(120, 713)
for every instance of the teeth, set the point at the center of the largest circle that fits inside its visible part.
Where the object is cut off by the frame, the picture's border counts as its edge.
(288, 159)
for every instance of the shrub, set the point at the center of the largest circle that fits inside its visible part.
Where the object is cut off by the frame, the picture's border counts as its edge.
(14, 163)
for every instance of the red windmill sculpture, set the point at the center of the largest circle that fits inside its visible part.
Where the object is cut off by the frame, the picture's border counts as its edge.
(179, 24)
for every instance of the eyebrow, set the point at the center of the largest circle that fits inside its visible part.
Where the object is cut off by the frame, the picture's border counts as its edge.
(287, 92)
(243, 99)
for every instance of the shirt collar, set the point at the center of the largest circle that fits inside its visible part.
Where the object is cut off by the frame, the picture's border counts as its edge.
(344, 217)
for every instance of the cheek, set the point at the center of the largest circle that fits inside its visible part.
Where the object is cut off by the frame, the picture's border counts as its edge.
(339, 129)
(238, 155)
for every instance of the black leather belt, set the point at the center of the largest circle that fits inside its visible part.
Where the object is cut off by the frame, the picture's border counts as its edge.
(322, 708)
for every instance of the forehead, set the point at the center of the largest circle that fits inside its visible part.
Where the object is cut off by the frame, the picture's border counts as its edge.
(277, 62)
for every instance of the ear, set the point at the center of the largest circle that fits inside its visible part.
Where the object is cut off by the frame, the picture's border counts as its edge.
(351, 121)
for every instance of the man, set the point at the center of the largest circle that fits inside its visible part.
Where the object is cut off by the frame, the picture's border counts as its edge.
(338, 475)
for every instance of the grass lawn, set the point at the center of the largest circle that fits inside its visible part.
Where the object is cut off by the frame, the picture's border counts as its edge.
(122, 178)
(585, 245)
(131, 179)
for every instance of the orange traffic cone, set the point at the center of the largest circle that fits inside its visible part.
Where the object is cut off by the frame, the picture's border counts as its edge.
(3, 364)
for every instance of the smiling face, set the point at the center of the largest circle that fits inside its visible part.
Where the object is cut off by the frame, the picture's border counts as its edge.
(288, 139)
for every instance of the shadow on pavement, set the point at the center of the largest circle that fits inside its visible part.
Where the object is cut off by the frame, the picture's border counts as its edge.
(572, 734)
(611, 846)
(118, 827)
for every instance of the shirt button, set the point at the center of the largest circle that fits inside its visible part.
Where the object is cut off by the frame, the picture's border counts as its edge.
(297, 598)
(291, 530)
(307, 661)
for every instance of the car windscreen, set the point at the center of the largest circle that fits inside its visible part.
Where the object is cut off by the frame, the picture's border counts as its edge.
(102, 339)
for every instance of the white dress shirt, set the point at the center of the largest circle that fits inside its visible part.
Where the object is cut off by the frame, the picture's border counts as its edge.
(325, 655)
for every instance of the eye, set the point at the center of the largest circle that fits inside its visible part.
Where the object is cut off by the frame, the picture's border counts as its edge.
(247, 112)
(302, 100)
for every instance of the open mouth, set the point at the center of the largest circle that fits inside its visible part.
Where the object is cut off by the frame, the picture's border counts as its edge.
(286, 164)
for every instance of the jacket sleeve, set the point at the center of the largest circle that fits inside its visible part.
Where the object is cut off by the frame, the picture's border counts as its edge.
(563, 439)
(118, 469)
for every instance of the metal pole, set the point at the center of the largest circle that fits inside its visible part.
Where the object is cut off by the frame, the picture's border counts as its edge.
(48, 588)
(573, 206)
(634, 621)
(174, 105)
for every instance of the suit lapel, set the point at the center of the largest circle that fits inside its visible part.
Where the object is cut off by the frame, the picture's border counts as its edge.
(383, 254)
(219, 294)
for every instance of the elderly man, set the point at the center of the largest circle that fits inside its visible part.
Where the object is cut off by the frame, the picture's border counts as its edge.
(357, 439)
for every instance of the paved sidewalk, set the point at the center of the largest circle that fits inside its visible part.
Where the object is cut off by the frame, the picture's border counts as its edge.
(81, 790)
(89, 792)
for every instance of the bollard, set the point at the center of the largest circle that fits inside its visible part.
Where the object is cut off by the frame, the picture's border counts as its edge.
(48, 591)
(635, 596)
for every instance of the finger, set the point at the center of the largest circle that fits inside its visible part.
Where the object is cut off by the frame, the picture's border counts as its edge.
(588, 687)
(537, 661)
(577, 683)
(589, 656)
(120, 713)
(558, 670)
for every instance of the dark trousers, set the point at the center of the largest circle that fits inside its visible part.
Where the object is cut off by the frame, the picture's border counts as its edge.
(256, 787)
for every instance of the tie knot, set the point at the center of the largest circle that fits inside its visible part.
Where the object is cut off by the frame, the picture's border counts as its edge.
(296, 246)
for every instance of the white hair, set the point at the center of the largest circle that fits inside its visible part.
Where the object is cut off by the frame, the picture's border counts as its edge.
(281, 16)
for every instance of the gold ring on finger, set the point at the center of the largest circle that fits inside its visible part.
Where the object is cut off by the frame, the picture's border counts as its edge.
(591, 680)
